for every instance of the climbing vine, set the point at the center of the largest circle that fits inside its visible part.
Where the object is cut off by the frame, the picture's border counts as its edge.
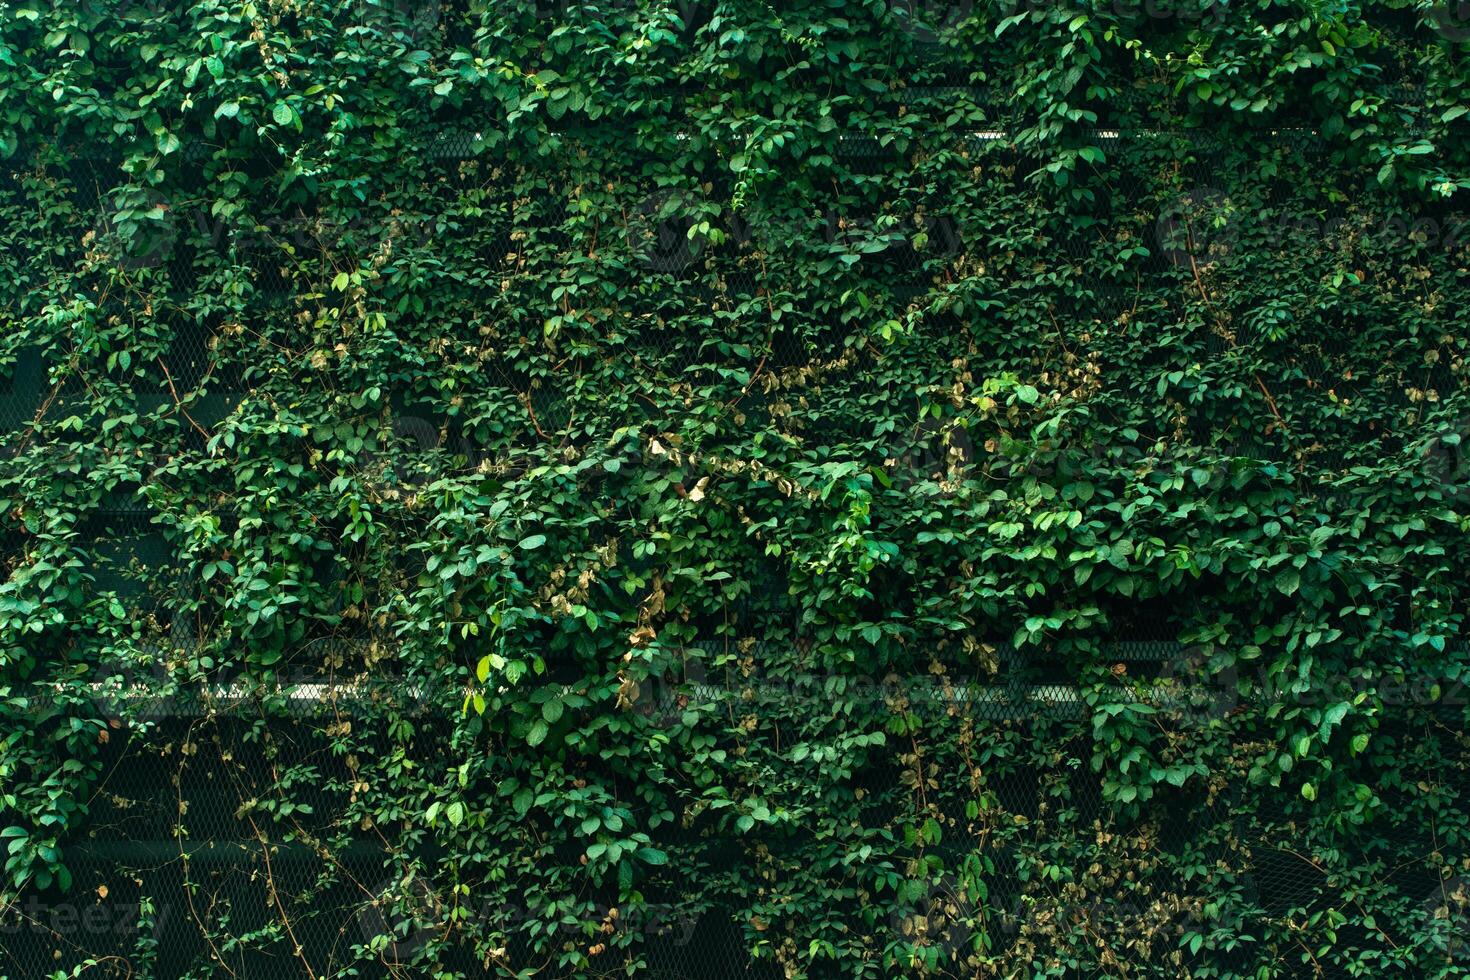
(858, 488)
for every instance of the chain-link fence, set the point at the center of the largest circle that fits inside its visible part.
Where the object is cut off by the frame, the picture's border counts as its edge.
(229, 834)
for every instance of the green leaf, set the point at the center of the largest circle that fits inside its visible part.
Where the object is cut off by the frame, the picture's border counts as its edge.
(1288, 582)
(521, 803)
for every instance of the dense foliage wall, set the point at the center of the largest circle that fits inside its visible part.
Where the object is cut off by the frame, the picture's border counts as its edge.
(657, 489)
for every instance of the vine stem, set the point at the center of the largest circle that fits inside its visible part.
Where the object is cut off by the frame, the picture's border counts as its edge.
(531, 410)
(770, 335)
(178, 403)
(184, 861)
(270, 885)
(1205, 296)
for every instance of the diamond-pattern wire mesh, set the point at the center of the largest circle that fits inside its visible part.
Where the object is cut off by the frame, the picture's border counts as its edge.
(174, 840)
(187, 361)
(173, 832)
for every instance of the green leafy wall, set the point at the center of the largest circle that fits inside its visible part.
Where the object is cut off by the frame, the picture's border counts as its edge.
(661, 489)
